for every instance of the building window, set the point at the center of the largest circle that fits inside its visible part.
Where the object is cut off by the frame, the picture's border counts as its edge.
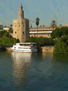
(48, 34)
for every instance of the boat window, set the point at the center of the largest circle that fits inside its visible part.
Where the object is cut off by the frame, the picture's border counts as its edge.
(34, 44)
(23, 48)
(27, 44)
(21, 44)
(20, 47)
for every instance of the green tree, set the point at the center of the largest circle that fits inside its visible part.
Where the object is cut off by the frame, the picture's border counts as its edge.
(37, 21)
(6, 39)
(4, 33)
(59, 32)
(10, 30)
(40, 41)
(61, 45)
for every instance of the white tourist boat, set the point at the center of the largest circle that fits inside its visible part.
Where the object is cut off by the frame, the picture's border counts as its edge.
(25, 47)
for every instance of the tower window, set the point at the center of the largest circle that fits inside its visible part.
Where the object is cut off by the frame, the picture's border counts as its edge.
(19, 25)
(15, 32)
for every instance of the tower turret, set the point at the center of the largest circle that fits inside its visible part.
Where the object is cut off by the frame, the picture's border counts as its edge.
(21, 12)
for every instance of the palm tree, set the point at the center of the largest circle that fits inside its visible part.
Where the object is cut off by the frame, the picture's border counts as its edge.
(53, 24)
(37, 23)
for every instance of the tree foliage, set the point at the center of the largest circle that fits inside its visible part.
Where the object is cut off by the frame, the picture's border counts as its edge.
(10, 30)
(37, 21)
(41, 41)
(6, 39)
(62, 45)
(4, 33)
(59, 32)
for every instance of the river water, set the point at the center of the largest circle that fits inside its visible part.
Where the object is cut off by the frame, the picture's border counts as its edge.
(33, 72)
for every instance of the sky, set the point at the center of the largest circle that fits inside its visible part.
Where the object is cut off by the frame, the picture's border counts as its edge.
(46, 10)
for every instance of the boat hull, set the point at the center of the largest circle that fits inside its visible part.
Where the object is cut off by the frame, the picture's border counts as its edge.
(24, 48)
(24, 51)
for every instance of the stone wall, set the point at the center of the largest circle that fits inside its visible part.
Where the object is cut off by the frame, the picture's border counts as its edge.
(47, 49)
(8, 49)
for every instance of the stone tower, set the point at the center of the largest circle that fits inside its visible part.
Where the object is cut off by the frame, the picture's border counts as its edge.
(21, 27)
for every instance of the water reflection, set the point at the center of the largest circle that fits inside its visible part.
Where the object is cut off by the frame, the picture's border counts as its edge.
(21, 62)
(44, 54)
(60, 57)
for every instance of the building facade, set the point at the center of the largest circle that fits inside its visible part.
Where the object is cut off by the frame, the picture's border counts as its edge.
(41, 32)
(6, 28)
(21, 27)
